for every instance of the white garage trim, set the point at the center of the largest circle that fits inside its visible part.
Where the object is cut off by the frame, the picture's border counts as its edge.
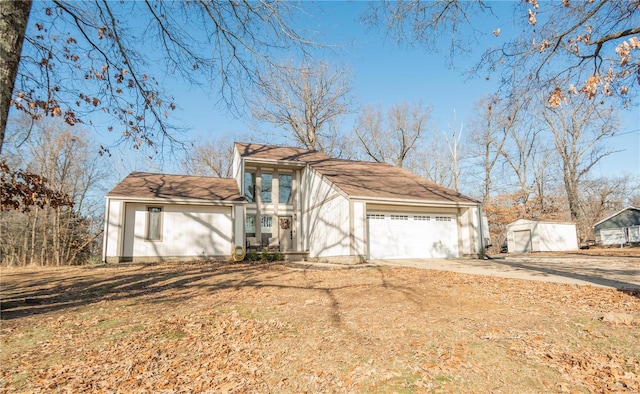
(395, 235)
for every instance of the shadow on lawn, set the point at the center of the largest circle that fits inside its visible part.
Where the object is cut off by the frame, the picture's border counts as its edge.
(593, 275)
(152, 282)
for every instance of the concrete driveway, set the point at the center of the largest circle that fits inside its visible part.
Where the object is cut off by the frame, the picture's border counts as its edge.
(622, 273)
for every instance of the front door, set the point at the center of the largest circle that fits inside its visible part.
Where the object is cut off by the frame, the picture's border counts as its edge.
(286, 236)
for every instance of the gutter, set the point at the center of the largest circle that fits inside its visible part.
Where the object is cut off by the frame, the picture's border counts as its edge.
(399, 201)
(177, 201)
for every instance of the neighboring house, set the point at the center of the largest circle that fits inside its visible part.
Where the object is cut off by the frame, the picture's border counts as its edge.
(620, 228)
(525, 235)
(306, 205)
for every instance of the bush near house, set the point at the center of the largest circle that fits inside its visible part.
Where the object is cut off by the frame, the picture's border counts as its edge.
(264, 256)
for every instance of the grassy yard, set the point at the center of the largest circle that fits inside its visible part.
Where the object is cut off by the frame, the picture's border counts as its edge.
(223, 327)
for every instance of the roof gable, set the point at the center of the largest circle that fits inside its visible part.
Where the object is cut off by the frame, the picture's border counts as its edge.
(359, 178)
(146, 185)
(617, 214)
(278, 153)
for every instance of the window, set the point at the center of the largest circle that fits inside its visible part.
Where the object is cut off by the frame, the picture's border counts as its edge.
(375, 216)
(266, 229)
(250, 226)
(443, 218)
(284, 194)
(399, 217)
(421, 217)
(265, 193)
(154, 223)
(250, 186)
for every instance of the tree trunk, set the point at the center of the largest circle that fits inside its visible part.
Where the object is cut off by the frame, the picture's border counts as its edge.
(13, 24)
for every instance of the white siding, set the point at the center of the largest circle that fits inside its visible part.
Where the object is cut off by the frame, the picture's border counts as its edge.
(614, 236)
(187, 230)
(556, 237)
(465, 227)
(545, 236)
(237, 170)
(471, 231)
(359, 229)
(113, 228)
(238, 219)
(325, 218)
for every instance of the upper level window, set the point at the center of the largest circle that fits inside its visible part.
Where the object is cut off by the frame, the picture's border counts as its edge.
(250, 186)
(154, 223)
(284, 194)
(267, 181)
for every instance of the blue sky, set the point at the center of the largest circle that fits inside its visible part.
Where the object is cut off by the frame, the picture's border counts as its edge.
(385, 73)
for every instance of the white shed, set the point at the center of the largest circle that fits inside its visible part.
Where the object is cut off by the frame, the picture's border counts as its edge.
(525, 235)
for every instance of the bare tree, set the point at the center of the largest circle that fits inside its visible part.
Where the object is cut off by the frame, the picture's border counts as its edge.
(565, 47)
(433, 161)
(488, 136)
(578, 127)
(453, 143)
(304, 101)
(425, 22)
(602, 197)
(394, 138)
(54, 233)
(80, 57)
(211, 158)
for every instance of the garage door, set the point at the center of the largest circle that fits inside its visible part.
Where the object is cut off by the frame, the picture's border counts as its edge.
(522, 241)
(401, 236)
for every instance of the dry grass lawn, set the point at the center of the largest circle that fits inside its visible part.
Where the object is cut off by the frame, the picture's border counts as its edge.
(221, 327)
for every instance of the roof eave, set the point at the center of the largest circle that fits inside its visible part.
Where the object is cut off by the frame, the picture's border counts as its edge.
(280, 163)
(406, 201)
(182, 201)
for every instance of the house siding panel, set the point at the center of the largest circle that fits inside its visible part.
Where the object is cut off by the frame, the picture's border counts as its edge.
(113, 228)
(326, 218)
(359, 229)
(187, 230)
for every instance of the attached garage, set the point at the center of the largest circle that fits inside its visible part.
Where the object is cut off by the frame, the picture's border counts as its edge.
(393, 235)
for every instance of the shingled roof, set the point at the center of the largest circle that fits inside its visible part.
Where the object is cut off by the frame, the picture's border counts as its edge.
(176, 187)
(279, 153)
(360, 178)
(382, 180)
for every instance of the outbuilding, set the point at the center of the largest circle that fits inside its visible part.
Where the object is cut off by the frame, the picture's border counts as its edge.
(526, 235)
(620, 228)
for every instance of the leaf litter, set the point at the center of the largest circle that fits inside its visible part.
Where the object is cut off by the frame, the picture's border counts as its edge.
(218, 327)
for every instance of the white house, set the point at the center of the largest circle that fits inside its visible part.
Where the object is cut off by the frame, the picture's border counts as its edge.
(525, 235)
(300, 202)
